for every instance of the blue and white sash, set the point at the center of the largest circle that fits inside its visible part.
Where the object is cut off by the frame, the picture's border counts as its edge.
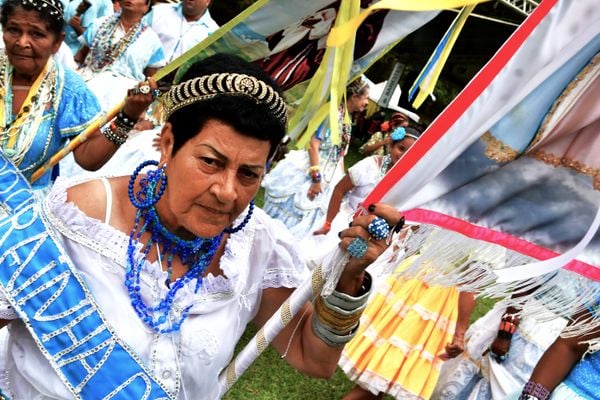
(39, 280)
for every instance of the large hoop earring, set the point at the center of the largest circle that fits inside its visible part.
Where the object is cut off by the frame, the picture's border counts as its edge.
(147, 196)
(244, 222)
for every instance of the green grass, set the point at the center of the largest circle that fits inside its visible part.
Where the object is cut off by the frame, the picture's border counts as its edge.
(271, 378)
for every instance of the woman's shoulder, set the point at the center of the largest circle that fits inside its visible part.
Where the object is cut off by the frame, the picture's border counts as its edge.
(89, 197)
(77, 102)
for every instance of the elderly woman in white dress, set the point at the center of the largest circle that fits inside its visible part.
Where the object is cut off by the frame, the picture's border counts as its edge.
(161, 271)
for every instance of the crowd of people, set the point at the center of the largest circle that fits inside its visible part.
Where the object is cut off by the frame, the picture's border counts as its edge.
(150, 272)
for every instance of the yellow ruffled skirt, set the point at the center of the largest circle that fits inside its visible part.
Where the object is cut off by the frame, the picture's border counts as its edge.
(402, 333)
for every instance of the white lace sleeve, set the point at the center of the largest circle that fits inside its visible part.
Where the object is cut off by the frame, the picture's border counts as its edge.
(6, 310)
(284, 266)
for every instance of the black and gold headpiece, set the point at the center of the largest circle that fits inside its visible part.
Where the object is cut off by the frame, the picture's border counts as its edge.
(53, 7)
(209, 86)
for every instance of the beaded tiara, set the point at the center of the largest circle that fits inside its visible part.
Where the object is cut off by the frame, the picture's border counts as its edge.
(54, 7)
(209, 86)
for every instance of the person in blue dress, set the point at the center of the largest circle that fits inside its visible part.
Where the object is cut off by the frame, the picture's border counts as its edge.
(570, 367)
(42, 103)
(119, 50)
(80, 15)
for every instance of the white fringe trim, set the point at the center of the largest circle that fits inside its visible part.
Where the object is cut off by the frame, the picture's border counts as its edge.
(448, 258)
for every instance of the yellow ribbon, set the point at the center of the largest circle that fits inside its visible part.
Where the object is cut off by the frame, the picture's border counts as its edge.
(12, 140)
(431, 79)
(340, 35)
(335, 65)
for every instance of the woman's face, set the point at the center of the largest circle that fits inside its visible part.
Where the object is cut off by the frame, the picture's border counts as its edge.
(211, 178)
(358, 102)
(139, 7)
(29, 43)
(194, 8)
(400, 147)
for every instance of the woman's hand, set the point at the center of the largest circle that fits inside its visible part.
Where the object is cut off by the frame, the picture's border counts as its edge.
(455, 348)
(75, 23)
(362, 242)
(314, 191)
(321, 231)
(499, 348)
(140, 97)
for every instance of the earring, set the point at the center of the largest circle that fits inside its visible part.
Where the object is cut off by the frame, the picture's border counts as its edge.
(147, 195)
(244, 222)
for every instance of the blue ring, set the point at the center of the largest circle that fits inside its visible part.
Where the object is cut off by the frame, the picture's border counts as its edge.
(358, 247)
(378, 229)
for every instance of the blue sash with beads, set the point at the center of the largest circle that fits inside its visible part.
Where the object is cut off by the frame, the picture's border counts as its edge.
(40, 282)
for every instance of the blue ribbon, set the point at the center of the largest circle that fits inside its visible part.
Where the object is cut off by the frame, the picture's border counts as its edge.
(40, 281)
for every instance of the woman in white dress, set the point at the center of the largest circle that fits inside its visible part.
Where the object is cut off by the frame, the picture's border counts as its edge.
(153, 278)
(298, 189)
(352, 189)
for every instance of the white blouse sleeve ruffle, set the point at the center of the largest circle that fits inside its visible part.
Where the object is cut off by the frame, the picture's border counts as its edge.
(274, 248)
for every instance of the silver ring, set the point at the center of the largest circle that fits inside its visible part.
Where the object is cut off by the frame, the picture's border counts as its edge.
(378, 228)
(144, 89)
(358, 247)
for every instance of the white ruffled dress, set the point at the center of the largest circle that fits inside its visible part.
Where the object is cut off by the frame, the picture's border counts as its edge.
(187, 362)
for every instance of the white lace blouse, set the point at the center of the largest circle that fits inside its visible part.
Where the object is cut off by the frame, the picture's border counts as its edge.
(188, 362)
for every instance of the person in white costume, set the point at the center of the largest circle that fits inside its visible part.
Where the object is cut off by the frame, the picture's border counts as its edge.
(118, 51)
(177, 259)
(298, 188)
(182, 25)
(352, 189)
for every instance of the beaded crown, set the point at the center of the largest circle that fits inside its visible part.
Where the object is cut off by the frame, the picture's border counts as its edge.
(54, 7)
(209, 86)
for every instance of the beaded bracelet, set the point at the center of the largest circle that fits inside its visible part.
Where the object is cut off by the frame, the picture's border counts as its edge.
(314, 168)
(113, 134)
(124, 120)
(534, 391)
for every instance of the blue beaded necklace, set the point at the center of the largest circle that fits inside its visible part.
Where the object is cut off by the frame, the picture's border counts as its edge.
(197, 253)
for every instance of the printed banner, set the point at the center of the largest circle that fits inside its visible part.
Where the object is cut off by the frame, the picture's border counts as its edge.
(513, 159)
(289, 40)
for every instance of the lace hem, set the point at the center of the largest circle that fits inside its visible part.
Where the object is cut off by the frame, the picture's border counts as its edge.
(375, 383)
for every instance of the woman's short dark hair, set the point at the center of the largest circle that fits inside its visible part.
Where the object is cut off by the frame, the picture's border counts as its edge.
(50, 12)
(242, 113)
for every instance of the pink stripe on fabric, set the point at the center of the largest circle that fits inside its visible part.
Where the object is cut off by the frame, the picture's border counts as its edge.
(462, 102)
(503, 239)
